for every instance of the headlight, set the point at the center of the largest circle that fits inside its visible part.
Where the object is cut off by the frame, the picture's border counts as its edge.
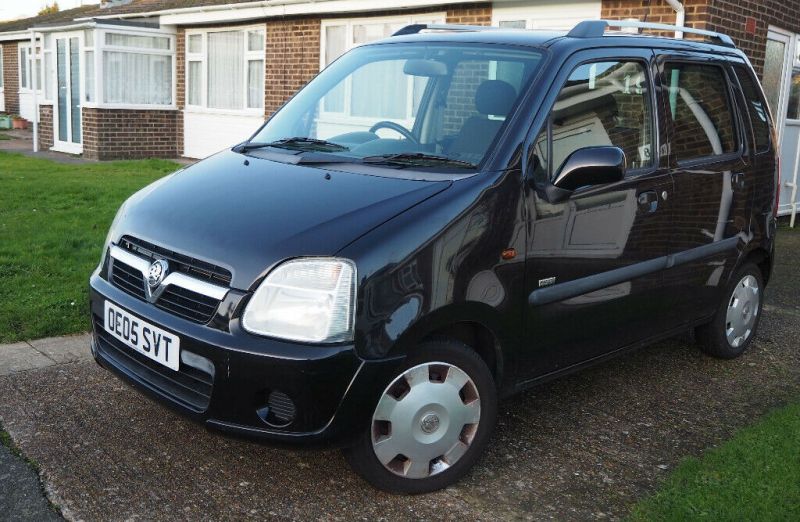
(111, 231)
(311, 300)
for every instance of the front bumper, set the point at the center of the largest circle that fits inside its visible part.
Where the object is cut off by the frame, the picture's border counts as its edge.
(226, 379)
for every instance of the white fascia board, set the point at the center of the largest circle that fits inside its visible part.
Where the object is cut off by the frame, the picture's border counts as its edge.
(16, 35)
(257, 10)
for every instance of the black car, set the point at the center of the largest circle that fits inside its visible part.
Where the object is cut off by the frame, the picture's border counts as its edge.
(440, 219)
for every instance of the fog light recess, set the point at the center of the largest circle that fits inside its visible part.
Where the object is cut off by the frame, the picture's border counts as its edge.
(280, 410)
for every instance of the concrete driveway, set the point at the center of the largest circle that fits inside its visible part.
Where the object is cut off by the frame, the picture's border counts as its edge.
(586, 446)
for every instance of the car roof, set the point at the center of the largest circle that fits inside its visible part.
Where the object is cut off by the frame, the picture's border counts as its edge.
(546, 39)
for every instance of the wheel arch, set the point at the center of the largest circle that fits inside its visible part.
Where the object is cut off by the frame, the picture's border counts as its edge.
(474, 324)
(760, 257)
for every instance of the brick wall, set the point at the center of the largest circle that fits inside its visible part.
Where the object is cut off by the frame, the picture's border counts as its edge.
(659, 11)
(730, 16)
(45, 127)
(725, 16)
(292, 58)
(470, 14)
(11, 77)
(131, 134)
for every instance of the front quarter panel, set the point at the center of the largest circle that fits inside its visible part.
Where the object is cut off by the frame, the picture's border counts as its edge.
(440, 263)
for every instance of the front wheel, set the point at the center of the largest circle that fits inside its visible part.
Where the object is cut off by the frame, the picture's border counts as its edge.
(735, 324)
(431, 423)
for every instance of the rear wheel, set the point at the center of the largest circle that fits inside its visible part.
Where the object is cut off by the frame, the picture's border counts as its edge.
(735, 324)
(431, 423)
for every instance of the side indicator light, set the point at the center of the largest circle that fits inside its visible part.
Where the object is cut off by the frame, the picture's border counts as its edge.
(509, 253)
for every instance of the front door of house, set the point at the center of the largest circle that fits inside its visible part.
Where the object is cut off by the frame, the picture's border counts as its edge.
(782, 87)
(67, 113)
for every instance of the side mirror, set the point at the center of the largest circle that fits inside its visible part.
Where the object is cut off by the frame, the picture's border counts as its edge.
(587, 167)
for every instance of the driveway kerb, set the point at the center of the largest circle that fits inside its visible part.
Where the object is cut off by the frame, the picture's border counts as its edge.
(34, 355)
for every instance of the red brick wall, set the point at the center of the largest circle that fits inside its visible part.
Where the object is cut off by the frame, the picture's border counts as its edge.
(11, 77)
(45, 127)
(292, 58)
(131, 134)
(470, 14)
(659, 11)
(725, 16)
(730, 16)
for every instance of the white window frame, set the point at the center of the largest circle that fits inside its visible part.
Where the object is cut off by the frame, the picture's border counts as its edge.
(31, 62)
(2, 71)
(531, 14)
(202, 58)
(99, 49)
(47, 76)
(345, 116)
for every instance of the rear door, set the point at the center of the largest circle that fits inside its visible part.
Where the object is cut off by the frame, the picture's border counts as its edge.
(593, 265)
(711, 171)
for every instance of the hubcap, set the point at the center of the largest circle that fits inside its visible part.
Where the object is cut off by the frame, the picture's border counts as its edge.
(743, 309)
(425, 420)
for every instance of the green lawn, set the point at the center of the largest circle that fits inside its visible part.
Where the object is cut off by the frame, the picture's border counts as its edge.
(53, 220)
(753, 476)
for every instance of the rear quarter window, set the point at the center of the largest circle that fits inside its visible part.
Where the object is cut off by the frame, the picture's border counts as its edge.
(756, 108)
(701, 111)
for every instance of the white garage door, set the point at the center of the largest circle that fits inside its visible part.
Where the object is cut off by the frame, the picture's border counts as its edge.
(205, 134)
(544, 14)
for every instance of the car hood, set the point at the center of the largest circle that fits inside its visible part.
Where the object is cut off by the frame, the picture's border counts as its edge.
(247, 214)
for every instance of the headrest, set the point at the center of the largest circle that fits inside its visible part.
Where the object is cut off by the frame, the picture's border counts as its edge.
(495, 97)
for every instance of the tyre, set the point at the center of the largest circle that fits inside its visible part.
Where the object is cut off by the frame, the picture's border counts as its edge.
(431, 423)
(735, 323)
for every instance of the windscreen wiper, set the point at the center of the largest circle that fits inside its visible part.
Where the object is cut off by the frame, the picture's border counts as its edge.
(301, 143)
(417, 159)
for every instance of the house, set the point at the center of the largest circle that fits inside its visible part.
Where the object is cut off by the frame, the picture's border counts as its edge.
(144, 78)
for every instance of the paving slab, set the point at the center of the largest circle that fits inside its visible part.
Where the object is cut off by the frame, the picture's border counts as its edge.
(21, 357)
(63, 350)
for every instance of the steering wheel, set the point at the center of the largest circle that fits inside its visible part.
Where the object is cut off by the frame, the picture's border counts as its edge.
(386, 124)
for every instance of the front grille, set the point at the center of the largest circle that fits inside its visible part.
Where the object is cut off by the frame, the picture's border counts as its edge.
(189, 386)
(187, 304)
(128, 278)
(178, 262)
(190, 305)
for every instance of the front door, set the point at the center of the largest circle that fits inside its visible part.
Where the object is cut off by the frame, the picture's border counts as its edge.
(67, 113)
(594, 261)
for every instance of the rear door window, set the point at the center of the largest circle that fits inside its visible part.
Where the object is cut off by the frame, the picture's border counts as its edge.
(701, 111)
(759, 117)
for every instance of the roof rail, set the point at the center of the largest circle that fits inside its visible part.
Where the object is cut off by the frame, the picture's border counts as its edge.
(416, 28)
(597, 28)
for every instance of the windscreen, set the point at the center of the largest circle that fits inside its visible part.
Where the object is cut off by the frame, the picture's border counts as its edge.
(441, 104)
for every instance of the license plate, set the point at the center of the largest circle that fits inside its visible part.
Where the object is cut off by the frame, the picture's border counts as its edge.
(151, 341)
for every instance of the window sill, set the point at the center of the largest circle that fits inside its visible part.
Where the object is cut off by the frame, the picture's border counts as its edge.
(129, 106)
(255, 113)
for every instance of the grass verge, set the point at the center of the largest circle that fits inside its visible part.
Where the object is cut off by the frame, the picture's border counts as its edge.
(53, 220)
(753, 476)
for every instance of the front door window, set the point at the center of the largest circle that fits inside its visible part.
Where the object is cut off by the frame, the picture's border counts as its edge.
(68, 83)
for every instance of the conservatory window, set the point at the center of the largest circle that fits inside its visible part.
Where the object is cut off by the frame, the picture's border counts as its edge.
(137, 69)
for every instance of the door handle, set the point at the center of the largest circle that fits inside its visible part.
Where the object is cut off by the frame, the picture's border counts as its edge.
(737, 180)
(648, 202)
